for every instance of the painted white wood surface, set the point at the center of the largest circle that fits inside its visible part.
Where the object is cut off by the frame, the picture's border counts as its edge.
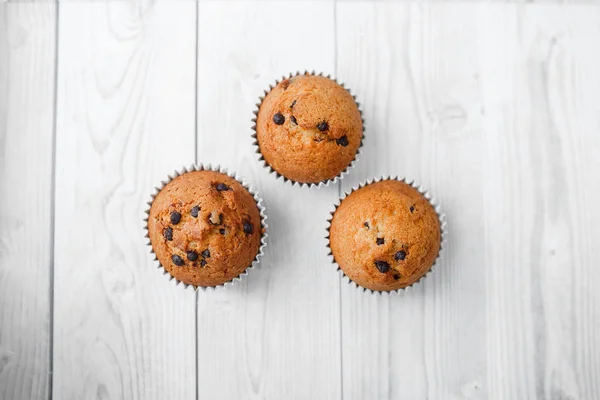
(416, 69)
(27, 71)
(493, 107)
(125, 118)
(277, 335)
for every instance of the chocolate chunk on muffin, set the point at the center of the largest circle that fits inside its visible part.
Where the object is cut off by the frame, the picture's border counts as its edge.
(385, 236)
(309, 128)
(205, 228)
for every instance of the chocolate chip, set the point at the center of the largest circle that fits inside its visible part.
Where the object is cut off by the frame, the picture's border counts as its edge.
(248, 227)
(203, 262)
(293, 104)
(380, 241)
(412, 208)
(366, 224)
(192, 255)
(382, 266)
(343, 141)
(222, 231)
(194, 211)
(293, 119)
(278, 119)
(400, 255)
(206, 253)
(168, 233)
(221, 187)
(177, 260)
(214, 221)
(323, 126)
(175, 217)
(397, 276)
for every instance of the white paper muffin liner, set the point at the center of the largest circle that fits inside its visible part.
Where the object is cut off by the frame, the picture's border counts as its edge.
(248, 187)
(261, 159)
(436, 207)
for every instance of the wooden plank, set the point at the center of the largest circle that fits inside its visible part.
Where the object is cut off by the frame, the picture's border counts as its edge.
(125, 118)
(493, 108)
(276, 335)
(27, 70)
(417, 73)
(541, 96)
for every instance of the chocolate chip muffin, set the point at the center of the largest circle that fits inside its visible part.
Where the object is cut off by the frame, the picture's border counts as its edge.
(385, 236)
(309, 128)
(205, 228)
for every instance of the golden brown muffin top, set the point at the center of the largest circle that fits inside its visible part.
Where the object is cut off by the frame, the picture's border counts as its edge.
(385, 236)
(309, 128)
(205, 228)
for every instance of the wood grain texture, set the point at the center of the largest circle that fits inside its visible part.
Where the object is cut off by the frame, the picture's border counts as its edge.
(419, 79)
(494, 109)
(27, 69)
(542, 127)
(276, 336)
(125, 118)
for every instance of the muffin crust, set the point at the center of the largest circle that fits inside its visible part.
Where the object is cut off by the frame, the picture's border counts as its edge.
(385, 236)
(205, 228)
(309, 128)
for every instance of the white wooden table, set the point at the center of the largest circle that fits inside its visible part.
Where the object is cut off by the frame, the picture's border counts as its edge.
(495, 107)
